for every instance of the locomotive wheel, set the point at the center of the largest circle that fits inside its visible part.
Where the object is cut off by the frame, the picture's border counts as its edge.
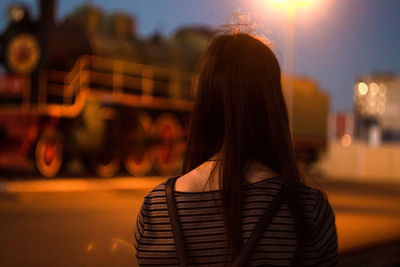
(49, 155)
(137, 159)
(107, 164)
(167, 151)
(107, 161)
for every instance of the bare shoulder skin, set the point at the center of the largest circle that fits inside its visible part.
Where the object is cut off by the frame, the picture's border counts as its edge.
(199, 179)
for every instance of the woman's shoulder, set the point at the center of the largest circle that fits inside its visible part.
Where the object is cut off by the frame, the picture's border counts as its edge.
(156, 193)
(315, 198)
(311, 196)
(317, 206)
(311, 192)
(153, 202)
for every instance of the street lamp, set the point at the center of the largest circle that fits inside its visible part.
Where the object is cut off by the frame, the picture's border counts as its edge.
(290, 7)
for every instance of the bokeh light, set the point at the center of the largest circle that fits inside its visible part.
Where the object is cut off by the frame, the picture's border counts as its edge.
(363, 88)
(346, 140)
(374, 88)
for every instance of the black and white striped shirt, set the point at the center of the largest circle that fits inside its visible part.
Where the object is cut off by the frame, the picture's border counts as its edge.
(202, 222)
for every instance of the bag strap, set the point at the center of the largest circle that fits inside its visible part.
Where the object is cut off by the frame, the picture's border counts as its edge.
(176, 227)
(255, 236)
(259, 230)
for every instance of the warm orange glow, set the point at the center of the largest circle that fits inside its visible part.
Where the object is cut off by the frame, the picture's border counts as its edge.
(346, 140)
(371, 108)
(381, 109)
(90, 247)
(382, 89)
(374, 88)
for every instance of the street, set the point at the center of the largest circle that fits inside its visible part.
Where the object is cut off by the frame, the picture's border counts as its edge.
(90, 222)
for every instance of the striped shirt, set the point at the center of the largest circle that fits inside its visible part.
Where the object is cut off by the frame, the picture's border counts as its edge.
(202, 222)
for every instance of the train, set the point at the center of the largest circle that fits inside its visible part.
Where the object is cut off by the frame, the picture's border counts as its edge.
(88, 88)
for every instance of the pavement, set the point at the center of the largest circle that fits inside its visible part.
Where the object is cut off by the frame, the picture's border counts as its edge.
(367, 220)
(89, 221)
(78, 184)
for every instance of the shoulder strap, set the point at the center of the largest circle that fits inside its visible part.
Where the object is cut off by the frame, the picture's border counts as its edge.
(259, 230)
(176, 227)
(251, 243)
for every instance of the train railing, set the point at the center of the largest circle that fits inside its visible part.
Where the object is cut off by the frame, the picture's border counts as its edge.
(60, 93)
(64, 93)
(116, 81)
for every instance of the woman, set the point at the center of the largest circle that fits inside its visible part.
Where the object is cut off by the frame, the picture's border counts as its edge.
(240, 155)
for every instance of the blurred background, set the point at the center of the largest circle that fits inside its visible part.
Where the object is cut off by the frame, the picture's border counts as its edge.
(95, 100)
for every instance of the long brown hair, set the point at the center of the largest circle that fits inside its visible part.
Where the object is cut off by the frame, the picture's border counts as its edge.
(240, 113)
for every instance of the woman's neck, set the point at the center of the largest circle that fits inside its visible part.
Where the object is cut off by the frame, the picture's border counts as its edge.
(203, 178)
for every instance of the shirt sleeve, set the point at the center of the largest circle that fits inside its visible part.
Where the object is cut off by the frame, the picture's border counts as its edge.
(325, 236)
(139, 227)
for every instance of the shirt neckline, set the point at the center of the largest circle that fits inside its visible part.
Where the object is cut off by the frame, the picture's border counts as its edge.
(246, 186)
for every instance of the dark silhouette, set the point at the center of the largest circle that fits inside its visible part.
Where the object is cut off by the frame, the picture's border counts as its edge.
(241, 148)
(240, 113)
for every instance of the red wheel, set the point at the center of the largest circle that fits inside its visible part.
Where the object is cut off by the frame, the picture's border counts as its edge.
(169, 145)
(137, 160)
(107, 160)
(48, 155)
(108, 163)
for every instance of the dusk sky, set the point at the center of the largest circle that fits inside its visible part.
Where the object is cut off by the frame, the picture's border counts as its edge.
(335, 40)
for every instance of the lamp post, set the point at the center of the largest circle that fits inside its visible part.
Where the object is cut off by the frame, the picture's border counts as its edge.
(290, 7)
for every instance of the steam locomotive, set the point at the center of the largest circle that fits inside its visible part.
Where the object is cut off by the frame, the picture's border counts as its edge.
(89, 89)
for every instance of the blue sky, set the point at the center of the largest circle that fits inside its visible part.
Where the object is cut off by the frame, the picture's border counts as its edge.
(335, 40)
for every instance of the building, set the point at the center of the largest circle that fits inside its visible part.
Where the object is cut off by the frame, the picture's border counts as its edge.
(377, 108)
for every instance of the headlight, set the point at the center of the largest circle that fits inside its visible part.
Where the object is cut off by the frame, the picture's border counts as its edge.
(23, 53)
(16, 13)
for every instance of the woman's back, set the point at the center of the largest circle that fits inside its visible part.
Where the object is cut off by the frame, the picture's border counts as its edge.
(239, 118)
(202, 221)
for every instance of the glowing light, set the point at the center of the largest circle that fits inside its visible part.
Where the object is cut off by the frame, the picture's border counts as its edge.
(16, 13)
(90, 247)
(374, 88)
(346, 140)
(381, 109)
(114, 246)
(363, 88)
(292, 3)
(123, 243)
